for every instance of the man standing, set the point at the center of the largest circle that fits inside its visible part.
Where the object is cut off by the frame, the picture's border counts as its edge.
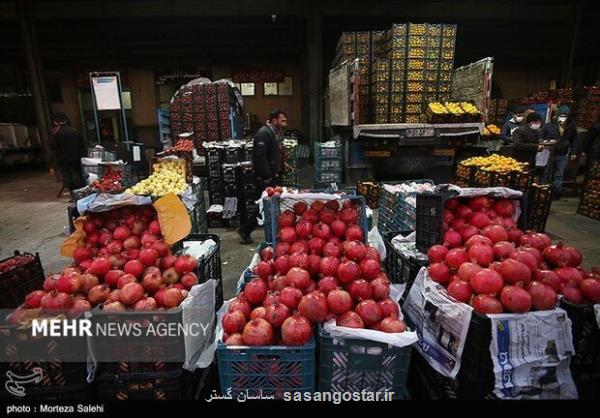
(268, 161)
(564, 132)
(525, 139)
(511, 125)
(68, 149)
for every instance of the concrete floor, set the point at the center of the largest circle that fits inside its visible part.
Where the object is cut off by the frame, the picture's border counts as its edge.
(33, 219)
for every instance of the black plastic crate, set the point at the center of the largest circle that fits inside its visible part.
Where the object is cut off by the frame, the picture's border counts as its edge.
(354, 365)
(538, 207)
(17, 282)
(141, 386)
(215, 172)
(231, 189)
(429, 217)
(247, 172)
(585, 364)
(234, 155)
(230, 173)
(400, 269)
(78, 392)
(214, 156)
(215, 219)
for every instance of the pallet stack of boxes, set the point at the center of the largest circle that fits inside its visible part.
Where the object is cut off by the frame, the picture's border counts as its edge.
(209, 111)
(409, 68)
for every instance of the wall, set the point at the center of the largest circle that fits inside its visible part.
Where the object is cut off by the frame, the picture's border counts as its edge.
(261, 105)
(514, 83)
(143, 96)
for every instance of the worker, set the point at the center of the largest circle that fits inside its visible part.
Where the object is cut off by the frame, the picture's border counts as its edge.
(268, 161)
(561, 129)
(511, 125)
(526, 139)
(68, 149)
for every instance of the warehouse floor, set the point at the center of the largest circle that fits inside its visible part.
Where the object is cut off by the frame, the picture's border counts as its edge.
(33, 219)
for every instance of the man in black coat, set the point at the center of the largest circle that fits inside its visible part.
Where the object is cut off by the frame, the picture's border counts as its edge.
(68, 149)
(268, 161)
(562, 129)
(525, 140)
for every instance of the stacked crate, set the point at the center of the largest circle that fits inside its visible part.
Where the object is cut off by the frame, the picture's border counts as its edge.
(417, 69)
(587, 109)
(590, 199)
(329, 164)
(209, 111)
(497, 111)
(290, 173)
(249, 192)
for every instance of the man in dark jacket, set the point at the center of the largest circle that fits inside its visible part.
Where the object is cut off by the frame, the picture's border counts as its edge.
(68, 149)
(511, 125)
(564, 132)
(525, 139)
(268, 161)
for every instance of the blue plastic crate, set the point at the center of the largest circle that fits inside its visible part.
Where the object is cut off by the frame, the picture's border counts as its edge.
(394, 212)
(276, 209)
(321, 152)
(271, 370)
(354, 365)
(247, 273)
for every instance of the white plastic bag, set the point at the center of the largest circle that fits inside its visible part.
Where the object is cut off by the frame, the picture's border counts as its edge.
(376, 241)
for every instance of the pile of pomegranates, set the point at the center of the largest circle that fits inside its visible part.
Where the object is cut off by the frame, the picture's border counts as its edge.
(487, 261)
(123, 263)
(320, 269)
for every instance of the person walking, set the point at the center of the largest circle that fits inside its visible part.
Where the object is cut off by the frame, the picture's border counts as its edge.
(68, 148)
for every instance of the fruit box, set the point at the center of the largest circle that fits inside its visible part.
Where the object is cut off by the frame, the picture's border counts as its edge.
(19, 278)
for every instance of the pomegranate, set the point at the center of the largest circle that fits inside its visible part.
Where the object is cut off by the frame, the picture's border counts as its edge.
(278, 283)
(266, 254)
(121, 233)
(298, 278)
(299, 260)
(117, 261)
(282, 249)
(360, 290)
(317, 206)
(258, 312)
(327, 216)
(327, 284)
(526, 258)
(437, 253)
(296, 330)
(315, 246)
(452, 239)
(54, 301)
(456, 257)
(481, 203)
(34, 299)
(457, 224)
(349, 216)
(131, 254)
(549, 278)
(288, 234)
(495, 233)
(381, 288)
(88, 281)
(276, 314)
(557, 255)
(568, 275)
(388, 308)
(170, 276)
(467, 232)
(148, 256)
(300, 207)
(234, 339)
(478, 239)
(303, 229)
(282, 265)
(114, 296)
(339, 301)
(329, 266)
(369, 311)
(347, 272)
(125, 279)
(439, 272)
(311, 216)
(264, 269)
(255, 291)
(100, 266)
(350, 320)
(69, 283)
(369, 268)
(448, 216)
(514, 271)
(290, 297)
(114, 307)
(79, 306)
(146, 304)
(487, 281)
(154, 228)
(504, 207)
(332, 249)
(392, 325)
(185, 264)
(480, 220)
(270, 298)
(463, 212)
(460, 291)
(467, 270)
(98, 294)
(240, 304)
(314, 265)
(188, 280)
(573, 294)
(354, 233)
(134, 267)
(81, 254)
(515, 299)
(172, 298)
(233, 322)
(161, 248)
(575, 257)
(314, 307)
(487, 304)
(503, 249)
(338, 228)
(542, 297)
(356, 251)
(481, 254)
(591, 289)
(258, 332)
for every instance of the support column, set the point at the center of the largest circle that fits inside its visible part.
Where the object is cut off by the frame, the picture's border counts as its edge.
(567, 73)
(36, 77)
(314, 41)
